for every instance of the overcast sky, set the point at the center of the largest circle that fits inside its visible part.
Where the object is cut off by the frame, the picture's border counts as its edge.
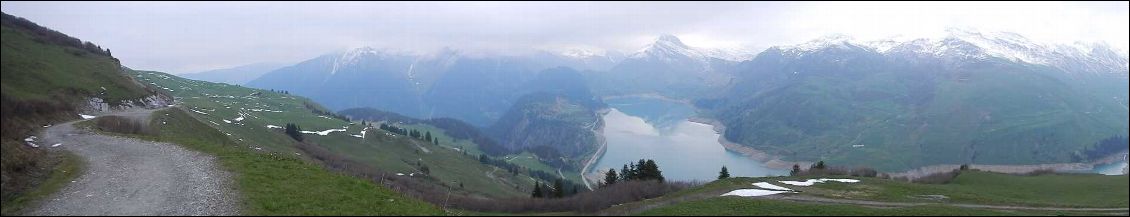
(182, 37)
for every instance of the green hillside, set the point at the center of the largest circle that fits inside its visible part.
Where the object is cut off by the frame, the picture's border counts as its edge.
(221, 106)
(855, 107)
(970, 187)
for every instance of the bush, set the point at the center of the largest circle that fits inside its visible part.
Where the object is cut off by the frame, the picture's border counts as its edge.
(864, 172)
(118, 124)
(938, 178)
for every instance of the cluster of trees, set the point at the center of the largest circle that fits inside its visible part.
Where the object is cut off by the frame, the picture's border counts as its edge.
(281, 91)
(416, 134)
(514, 169)
(1104, 148)
(318, 111)
(558, 190)
(644, 170)
(46, 35)
(293, 131)
(820, 168)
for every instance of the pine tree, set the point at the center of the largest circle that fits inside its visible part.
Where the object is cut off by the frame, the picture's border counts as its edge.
(610, 177)
(428, 136)
(537, 191)
(558, 189)
(796, 170)
(653, 172)
(624, 176)
(724, 174)
(819, 165)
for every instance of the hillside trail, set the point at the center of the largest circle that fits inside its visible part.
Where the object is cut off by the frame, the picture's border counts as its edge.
(127, 176)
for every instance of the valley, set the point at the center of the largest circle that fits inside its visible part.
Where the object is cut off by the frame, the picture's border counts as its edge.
(572, 108)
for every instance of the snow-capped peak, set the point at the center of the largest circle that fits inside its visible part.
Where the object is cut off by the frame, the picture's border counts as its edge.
(671, 41)
(669, 48)
(579, 53)
(826, 41)
(968, 43)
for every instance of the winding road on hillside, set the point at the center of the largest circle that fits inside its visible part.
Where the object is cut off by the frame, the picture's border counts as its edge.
(127, 176)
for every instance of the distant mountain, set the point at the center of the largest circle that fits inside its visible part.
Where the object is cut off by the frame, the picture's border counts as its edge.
(966, 97)
(668, 67)
(236, 75)
(473, 88)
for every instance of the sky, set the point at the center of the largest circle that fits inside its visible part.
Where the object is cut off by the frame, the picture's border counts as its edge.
(184, 37)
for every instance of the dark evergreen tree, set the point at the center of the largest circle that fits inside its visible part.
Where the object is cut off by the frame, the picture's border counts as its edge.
(537, 191)
(624, 173)
(818, 166)
(610, 177)
(724, 174)
(795, 171)
(558, 189)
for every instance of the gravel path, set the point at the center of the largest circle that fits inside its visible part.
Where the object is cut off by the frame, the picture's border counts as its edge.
(126, 176)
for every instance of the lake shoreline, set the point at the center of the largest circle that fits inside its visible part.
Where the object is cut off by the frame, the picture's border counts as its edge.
(776, 162)
(602, 144)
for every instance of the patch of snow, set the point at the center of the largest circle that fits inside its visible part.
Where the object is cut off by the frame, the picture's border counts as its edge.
(226, 121)
(87, 117)
(324, 132)
(811, 182)
(806, 183)
(56, 145)
(400, 174)
(766, 185)
(752, 193)
(31, 139)
(840, 180)
(273, 126)
(33, 145)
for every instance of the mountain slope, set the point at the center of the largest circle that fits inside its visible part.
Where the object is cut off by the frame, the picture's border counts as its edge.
(447, 83)
(236, 75)
(952, 100)
(667, 67)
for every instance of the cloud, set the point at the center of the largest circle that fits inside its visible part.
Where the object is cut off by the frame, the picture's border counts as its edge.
(184, 37)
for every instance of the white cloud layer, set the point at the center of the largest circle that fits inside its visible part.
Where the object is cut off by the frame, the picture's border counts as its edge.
(182, 37)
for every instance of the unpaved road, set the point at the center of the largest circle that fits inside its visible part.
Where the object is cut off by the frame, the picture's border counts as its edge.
(126, 176)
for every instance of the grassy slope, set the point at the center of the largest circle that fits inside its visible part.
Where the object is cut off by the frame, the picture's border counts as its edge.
(33, 70)
(68, 168)
(969, 188)
(394, 154)
(736, 206)
(281, 184)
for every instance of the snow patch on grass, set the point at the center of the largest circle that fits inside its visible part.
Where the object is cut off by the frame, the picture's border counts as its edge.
(766, 185)
(753, 193)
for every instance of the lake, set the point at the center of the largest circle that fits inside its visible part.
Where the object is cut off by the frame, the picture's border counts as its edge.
(646, 128)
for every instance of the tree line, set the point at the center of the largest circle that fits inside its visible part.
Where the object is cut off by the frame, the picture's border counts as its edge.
(643, 170)
(415, 134)
(45, 35)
